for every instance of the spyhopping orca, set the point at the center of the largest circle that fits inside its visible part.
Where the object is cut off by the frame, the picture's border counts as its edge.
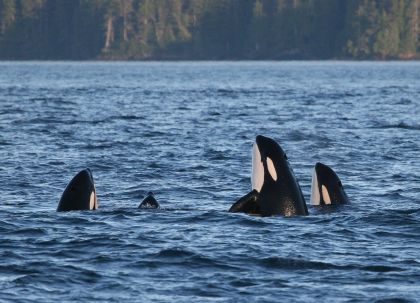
(275, 190)
(326, 187)
(149, 201)
(80, 193)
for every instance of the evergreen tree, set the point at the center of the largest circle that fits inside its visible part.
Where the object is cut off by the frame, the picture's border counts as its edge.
(7, 15)
(209, 29)
(409, 29)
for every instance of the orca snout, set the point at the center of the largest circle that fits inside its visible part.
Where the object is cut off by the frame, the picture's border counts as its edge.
(80, 193)
(326, 186)
(319, 166)
(149, 202)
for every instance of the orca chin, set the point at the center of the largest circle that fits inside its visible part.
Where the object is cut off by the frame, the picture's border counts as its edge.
(275, 189)
(80, 193)
(149, 202)
(327, 188)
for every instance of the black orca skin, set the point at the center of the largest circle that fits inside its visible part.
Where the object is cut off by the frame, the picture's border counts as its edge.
(149, 202)
(327, 188)
(80, 193)
(276, 190)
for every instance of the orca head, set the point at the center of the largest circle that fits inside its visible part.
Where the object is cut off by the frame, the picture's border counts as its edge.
(150, 201)
(80, 193)
(327, 188)
(268, 158)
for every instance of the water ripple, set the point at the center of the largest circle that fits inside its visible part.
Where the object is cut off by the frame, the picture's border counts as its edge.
(185, 130)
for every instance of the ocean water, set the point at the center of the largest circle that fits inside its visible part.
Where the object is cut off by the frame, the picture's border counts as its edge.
(184, 130)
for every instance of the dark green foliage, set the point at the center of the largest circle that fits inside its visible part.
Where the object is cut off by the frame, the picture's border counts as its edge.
(382, 29)
(209, 29)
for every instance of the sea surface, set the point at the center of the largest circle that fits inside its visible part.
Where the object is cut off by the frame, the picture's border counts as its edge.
(185, 130)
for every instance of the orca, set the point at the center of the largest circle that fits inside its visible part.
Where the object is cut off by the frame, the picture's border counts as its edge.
(275, 189)
(149, 202)
(80, 193)
(327, 188)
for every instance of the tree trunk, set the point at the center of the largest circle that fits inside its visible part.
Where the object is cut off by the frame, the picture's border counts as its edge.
(125, 31)
(109, 33)
(124, 15)
(417, 21)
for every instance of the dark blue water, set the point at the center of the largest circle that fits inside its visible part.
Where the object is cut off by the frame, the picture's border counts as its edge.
(185, 131)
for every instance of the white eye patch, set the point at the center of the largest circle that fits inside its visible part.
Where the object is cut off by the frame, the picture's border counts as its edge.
(93, 202)
(271, 169)
(326, 195)
(257, 176)
(315, 197)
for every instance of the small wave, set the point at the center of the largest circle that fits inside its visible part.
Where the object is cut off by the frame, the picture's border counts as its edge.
(288, 263)
(153, 134)
(174, 253)
(296, 264)
(5, 226)
(10, 278)
(67, 273)
(297, 135)
(179, 256)
(400, 125)
(393, 300)
(404, 101)
(335, 95)
(247, 220)
(409, 211)
(6, 254)
(393, 217)
(15, 269)
(47, 99)
(243, 283)
(198, 167)
(70, 218)
(100, 146)
(226, 92)
(380, 268)
(215, 154)
(214, 113)
(11, 110)
(29, 231)
(56, 163)
(124, 117)
(4, 143)
(53, 120)
(207, 216)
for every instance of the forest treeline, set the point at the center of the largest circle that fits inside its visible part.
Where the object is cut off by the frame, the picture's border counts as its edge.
(209, 29)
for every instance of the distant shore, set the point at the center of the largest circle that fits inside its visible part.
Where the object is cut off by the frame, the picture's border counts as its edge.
(414, 59)
(177, 30)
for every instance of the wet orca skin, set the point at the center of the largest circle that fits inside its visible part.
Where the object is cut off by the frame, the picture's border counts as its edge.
(327, 188)
(80, 193)
(275, 189)
(149, 202)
